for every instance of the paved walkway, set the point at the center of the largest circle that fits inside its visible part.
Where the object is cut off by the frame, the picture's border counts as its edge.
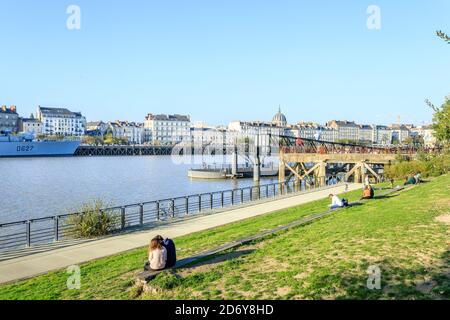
(39, 263)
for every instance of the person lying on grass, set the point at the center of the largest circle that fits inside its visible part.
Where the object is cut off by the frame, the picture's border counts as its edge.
(410, 180)
(336, 202)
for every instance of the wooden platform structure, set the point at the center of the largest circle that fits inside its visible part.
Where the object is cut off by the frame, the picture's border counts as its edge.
(295, 153)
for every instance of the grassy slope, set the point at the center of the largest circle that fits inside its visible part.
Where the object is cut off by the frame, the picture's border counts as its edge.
(325, 259)
(329, 258)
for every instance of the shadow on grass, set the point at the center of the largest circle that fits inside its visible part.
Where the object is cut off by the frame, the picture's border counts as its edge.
(218, 258)
(354, 204)
(383, 196)
(396, 283)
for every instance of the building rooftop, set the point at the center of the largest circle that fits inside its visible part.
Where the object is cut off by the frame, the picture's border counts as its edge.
(30, 120)
(94, 123)
(60, 112)
(256, 123)
(119, 123)
(11, 110)
(398, 127)
(279, 119)
(168, 117)
(342, 123)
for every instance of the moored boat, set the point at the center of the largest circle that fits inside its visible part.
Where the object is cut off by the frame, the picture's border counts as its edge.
(27, 146)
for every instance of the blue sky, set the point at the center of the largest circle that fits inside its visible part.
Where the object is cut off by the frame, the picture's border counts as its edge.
(225, 60)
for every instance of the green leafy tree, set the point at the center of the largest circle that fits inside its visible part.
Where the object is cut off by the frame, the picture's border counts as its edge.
(443, 36)
(94, 141)
(441, 121)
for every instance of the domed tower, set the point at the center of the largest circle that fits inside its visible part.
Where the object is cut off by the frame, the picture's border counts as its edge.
(279, 119)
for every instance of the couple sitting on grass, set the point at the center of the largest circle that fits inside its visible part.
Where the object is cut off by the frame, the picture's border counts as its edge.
(161, 254)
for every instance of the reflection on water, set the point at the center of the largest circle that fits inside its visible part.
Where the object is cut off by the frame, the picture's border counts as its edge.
(38, 187)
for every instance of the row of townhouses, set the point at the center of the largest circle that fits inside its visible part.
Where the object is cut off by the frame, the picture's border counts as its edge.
(166, 129)
(48, 121)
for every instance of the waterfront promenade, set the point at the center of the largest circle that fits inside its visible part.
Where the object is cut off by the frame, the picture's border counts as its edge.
(33, 264)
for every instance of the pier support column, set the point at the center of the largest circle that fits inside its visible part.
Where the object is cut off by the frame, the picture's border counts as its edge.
(359, 172)
(257, 164)
(363, 171)
(281, 170)
(322, 173)
(256, 170)
(234, 162)
(297, 180)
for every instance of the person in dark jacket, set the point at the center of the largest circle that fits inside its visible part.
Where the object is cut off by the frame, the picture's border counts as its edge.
(171, 250)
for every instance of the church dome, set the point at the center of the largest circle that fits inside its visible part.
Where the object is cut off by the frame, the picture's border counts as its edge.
(279, 119)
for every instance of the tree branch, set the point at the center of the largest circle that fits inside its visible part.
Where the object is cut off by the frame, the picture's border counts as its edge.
(431, 105)
(443, 36)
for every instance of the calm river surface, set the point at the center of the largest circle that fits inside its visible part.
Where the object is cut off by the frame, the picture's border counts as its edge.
(38, 187)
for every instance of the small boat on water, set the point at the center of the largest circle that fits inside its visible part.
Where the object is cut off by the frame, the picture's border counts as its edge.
(25, 145)
(225, 172)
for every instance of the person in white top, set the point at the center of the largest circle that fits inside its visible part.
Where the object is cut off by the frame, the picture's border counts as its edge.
(335, 202)
(157, 255)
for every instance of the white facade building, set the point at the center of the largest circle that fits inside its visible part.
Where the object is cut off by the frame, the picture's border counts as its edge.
(399, 133)
(166, 129)
(309, 130)
(347, 130)
(97, 128)
(30, 125)
(426, 132)
(366, 133)
(132, 131)
(203, 135)
(61, 121)
(382, 135)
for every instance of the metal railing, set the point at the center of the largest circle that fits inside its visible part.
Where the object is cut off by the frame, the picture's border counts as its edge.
(27, 233)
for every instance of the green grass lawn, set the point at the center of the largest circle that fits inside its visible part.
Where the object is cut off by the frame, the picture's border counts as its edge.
(326, 259)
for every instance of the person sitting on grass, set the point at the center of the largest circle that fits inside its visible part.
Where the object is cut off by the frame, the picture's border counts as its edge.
(368, 192)
(336, 202)
(391, 180)
(157, 256)
(171, 250)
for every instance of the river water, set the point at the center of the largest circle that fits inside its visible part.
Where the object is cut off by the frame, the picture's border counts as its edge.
(39, 187)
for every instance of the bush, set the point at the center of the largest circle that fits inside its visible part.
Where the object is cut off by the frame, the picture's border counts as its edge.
(92, 222)
(402, 169)
(428, 165)
(438, 165)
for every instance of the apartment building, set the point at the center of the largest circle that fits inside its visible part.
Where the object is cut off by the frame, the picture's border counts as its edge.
(131, 131)
(61, 121)
(166, 129)
(9, 119)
